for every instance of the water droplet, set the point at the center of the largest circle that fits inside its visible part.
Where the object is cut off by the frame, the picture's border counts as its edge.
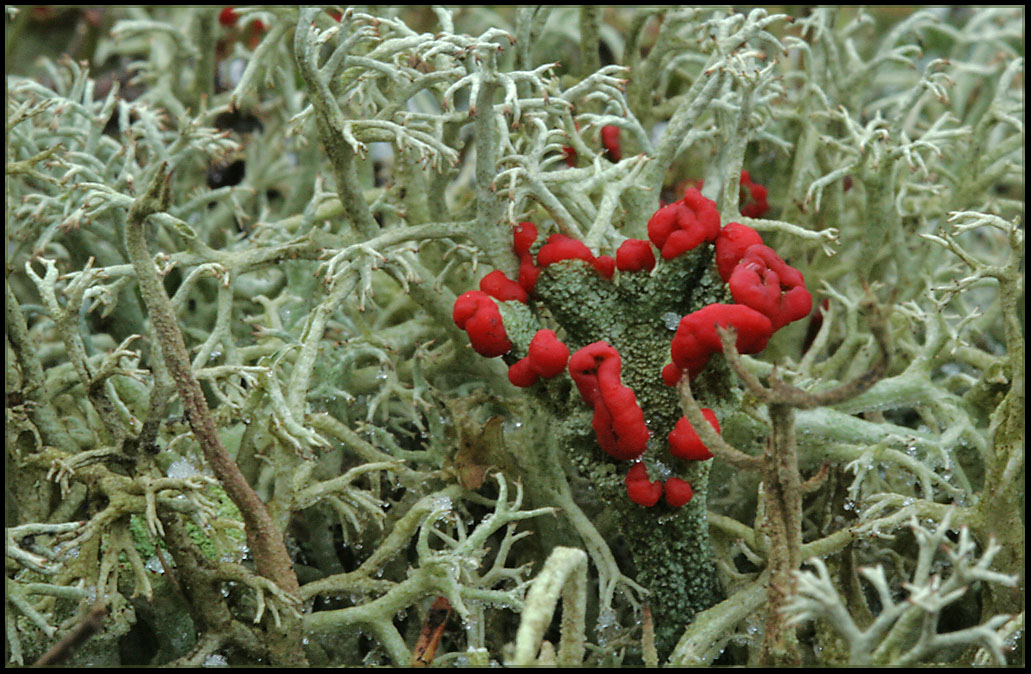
(216, 660)
(181, 468)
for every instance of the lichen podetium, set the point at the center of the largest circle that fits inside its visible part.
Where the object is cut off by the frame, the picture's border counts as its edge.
(669, 546)
(621, 322)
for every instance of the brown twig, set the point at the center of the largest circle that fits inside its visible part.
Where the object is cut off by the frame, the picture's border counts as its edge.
(781, 392)
(62, 650)
(168, 570)
(263, 537)
(648, 650)
(784, 486)
(713, 440)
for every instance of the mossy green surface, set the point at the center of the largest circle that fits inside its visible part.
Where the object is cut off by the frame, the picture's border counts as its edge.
(637, 312)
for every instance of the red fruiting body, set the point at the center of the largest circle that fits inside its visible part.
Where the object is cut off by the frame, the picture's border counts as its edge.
(528, 273)
(227, 17)
(465, 307)
(683, 225)
(502, 288)
(569, 156)
(583, 368)
(618, 420)
(561, 247)
(769, 294)
(523, 237)
(696, 338)
(605, 265)
(548, 354)
(256, 29)
(768, 284)
(477, 314)
(610, 141)
(522, 374)
(731, 244)
(640, 489)
(635, 255)
(569, 153)
(684, 442)
(671, 374)
(678, 492)
(619, 426)
(753, 198)
(546, 357)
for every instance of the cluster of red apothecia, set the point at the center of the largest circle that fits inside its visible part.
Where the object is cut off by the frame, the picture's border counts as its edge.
(253, 33)
(609, 141)
(768, 294)
(228, 18)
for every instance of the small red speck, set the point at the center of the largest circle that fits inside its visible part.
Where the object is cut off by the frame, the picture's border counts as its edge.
(227, 17)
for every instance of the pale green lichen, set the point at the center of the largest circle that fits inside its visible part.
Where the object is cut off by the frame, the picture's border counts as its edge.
(907, 632)
(288, 335)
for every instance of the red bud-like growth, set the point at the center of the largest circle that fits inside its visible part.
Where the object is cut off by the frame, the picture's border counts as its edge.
(768, 284)
(635, 255)
(548, 354)
(678, 492)
(610, 141)
(753, 198)
(684, 225)
(604, 265)
(523, 237)
(731, 244)
(696, 337)
(502, 288)
(684, 442)
(640, 489)
(477, 314)
(618, 420)
(546, 357)
(561, 247)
